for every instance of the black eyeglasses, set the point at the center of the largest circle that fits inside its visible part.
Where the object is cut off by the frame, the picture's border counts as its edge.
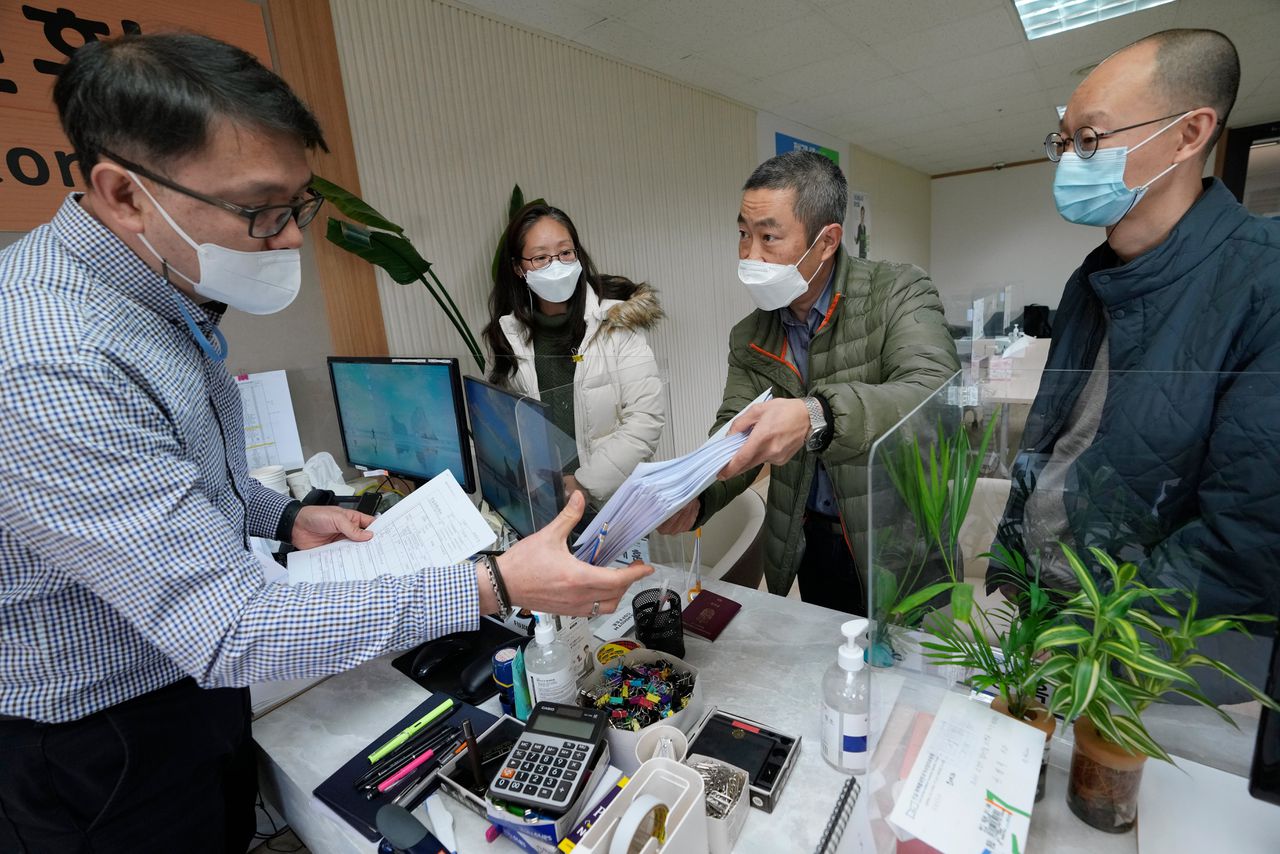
(1085, 140)
(264, 222)
(538, 262)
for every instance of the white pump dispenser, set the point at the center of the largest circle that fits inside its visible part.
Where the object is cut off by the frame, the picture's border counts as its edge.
(846, 704)
(548, 664)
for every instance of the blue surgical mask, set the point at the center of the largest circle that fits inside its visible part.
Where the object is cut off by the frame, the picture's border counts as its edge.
(1091, 191)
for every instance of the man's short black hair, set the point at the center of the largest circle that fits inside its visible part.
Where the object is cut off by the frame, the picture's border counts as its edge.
(822, 193)
(1197, 68)
(152, 97)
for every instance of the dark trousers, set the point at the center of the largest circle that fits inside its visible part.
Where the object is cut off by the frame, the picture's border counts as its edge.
(173, 770)
(828, 574)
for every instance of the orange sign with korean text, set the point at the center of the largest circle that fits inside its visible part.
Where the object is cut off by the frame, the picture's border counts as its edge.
(37, 166)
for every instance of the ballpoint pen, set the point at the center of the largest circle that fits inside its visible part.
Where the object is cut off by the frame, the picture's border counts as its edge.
(695, 568)
(604, 532)
(408, 732)
(408, 753)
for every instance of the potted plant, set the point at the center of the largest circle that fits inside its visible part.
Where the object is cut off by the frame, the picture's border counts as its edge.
(381, 242)
(999, 650)
(936, 487)
(1112, 655)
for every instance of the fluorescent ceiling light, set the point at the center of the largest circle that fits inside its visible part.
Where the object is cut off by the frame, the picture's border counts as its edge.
(1042, 18)
(1062, 111)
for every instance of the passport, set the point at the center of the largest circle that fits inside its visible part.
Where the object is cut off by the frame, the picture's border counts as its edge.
(709, 613)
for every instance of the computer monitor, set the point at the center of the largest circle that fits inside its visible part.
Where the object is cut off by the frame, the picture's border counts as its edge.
(404, 415)
(519, 460)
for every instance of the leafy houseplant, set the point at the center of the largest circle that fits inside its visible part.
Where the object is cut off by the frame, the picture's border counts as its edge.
(1105, 674)
(381, 242)
(1000, 650)
(936, 487)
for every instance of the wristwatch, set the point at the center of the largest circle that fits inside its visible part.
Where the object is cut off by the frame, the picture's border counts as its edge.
(819, 424)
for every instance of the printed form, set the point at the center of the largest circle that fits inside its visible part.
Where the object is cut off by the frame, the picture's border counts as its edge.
(435, 525)
(973, 783)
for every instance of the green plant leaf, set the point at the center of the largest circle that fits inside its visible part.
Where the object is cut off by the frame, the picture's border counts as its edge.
(1198, 660)
(1144, 663)
(1084, 578)
(352, 206)
(1084, 684)
(1137, 739)
(391, 252)
(921, 597)
(516, 203)
(962, 600)
(1068, 634)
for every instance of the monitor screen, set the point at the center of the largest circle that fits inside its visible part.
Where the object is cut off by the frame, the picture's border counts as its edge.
(518, 458)
(403, 415)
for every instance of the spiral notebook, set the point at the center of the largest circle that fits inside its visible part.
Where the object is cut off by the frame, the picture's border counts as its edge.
(846, 827)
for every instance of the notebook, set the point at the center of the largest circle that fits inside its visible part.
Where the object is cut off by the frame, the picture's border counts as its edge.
(842, 815)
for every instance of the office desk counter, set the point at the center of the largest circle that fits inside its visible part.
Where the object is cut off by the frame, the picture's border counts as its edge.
(767, 665)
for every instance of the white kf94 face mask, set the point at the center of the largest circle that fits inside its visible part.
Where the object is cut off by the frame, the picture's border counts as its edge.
(261, 282)
(555, 282)
(773, 286)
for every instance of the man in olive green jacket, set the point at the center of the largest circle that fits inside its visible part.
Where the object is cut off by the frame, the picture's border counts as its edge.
(848, 346)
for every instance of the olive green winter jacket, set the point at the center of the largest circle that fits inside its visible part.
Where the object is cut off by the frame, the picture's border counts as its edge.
(881, 350)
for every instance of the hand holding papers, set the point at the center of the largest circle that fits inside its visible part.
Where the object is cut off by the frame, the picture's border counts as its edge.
(655, 491)
(436, 525)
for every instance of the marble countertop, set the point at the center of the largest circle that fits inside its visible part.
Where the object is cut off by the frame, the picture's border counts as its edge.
(767, 665)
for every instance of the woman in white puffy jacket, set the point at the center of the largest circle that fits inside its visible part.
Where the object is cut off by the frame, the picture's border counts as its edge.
(561, 332)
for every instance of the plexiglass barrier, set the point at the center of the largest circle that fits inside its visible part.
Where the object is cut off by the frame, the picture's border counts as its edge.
(534, 449)
(1109, 553)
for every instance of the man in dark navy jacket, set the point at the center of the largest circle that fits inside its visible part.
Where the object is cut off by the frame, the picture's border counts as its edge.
(1158, 440)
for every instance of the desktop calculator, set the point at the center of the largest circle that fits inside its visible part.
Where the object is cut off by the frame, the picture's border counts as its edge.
(552, 758)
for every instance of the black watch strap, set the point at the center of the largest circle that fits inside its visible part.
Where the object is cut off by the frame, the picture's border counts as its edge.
(284, 530)
(826, 413)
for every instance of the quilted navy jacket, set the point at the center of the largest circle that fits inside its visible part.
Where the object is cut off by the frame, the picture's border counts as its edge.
(1183, 477)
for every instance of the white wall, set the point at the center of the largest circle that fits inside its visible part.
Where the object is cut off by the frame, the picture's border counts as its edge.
(996, 228)
(898, 208)
(449, 109)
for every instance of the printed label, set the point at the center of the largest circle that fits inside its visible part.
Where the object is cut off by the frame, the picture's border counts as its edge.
(844, 739)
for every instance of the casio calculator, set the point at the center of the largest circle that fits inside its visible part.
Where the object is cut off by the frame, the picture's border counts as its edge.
(552, 758)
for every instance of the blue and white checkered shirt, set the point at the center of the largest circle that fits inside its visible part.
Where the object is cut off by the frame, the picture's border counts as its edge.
(125, 502)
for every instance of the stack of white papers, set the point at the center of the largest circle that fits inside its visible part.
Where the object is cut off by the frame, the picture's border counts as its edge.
(654, 492)
(435, 525)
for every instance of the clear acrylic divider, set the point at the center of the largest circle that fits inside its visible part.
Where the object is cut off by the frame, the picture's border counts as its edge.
(1163, 486)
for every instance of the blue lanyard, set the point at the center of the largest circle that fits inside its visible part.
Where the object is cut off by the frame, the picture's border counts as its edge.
(215, 351)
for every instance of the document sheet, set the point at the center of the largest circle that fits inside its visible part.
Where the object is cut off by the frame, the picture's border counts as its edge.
(654, 492)
(973, 783)
(435, 525)
(270, 429)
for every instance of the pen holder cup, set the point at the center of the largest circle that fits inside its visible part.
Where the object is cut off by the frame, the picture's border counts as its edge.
(658, 621)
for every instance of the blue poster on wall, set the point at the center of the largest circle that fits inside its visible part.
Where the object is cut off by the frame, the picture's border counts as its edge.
(785, 143)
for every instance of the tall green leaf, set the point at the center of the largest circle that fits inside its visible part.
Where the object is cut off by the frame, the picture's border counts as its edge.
(352, 206)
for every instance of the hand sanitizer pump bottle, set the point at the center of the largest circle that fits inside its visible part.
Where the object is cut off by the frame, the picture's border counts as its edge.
(549, 665)
(846, 705)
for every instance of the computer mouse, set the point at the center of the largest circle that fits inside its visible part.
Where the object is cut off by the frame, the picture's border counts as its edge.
(435, 654)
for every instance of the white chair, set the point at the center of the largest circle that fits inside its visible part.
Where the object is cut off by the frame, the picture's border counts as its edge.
(732, 543)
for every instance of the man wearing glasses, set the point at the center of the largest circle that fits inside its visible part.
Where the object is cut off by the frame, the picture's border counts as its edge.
(1155, 430)
(130, 604)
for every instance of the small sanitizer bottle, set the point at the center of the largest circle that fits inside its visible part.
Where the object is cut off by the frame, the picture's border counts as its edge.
(846, 705)
(549, 665)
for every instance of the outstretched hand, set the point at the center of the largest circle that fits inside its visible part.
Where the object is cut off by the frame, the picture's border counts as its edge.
(778, 430)
(541, 574)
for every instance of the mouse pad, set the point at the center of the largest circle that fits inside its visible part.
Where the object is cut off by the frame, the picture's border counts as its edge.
(339, 791)
(466, 656)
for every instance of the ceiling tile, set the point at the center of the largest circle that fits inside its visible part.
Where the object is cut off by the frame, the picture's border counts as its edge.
(967, 37)
(620, 40)
(780, 48)
(1001, 62)
(565, 20)
(711, 24)
(858, 67)
(875, 21)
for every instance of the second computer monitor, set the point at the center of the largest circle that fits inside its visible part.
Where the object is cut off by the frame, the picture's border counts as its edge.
(519, 456)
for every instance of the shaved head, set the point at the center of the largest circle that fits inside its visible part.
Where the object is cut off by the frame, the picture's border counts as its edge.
(1194, 68)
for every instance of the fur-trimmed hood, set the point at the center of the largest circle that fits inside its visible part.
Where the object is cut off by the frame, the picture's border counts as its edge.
(639, 311)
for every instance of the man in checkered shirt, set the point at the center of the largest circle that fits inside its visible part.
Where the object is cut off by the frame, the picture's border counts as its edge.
(132, 612)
